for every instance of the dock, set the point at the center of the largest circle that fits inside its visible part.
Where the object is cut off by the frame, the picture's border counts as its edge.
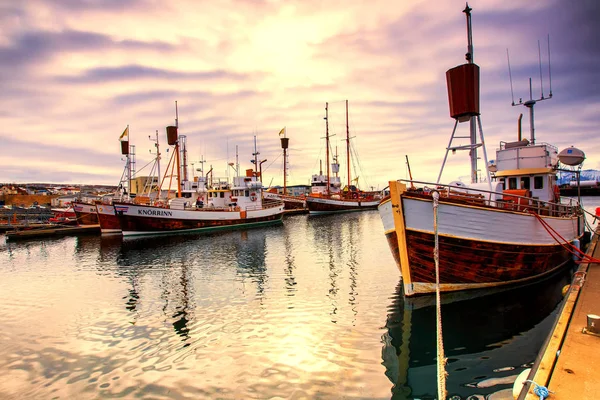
(21, 226)
(52, 232)
(569, 363)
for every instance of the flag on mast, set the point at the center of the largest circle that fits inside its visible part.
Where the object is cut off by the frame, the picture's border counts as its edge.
(282, 132)
(125, 134)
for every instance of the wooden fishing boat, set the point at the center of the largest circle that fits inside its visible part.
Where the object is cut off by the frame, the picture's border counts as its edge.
(508, 230)
(239, 205)
(327, 196)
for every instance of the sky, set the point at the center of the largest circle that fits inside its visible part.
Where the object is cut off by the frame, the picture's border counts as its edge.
(76, 73)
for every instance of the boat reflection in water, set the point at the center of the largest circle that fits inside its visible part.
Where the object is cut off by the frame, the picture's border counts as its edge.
(488, 339)
(241, 253)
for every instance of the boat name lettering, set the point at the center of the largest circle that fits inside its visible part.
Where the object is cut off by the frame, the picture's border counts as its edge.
(156, 212)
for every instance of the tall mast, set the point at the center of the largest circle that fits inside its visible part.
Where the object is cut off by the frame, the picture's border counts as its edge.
(255, 154)
(348, 145)
(472, 121)
(128, 164)
(284, 146)
(327, 141)
(177, 151)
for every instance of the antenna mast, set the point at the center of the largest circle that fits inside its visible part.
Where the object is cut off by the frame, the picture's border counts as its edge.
(531, 102)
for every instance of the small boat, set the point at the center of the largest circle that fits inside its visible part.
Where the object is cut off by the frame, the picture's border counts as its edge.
(239, 205)
(327, 196)
(63, 215)
(509, 230)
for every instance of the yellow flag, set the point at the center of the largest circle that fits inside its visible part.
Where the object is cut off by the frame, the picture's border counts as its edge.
(125, 134)
(282, 132)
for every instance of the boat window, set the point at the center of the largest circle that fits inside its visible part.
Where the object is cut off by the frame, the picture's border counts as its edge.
(247, 193)
(512, 183)
(538, 182)
(222, 195)
(525, 182)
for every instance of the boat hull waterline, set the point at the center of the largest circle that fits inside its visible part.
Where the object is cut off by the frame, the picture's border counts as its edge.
(479, 247)
(137, 220)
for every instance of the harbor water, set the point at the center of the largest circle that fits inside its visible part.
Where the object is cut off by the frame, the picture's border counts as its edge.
(310, 309)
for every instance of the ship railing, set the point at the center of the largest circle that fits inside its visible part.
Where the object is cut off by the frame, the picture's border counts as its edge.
(269, 203)
(513, 203)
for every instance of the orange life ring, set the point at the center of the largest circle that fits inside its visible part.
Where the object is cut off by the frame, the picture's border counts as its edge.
(253, 196)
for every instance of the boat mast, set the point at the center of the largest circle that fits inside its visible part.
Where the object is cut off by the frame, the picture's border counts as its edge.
(177, 151)
(128, 164)
(284, 146)
(472, 121)
(348, 145)
(327, 142)
(255, 154)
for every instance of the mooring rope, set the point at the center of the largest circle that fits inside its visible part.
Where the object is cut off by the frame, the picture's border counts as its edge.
(565, 243)
(441, 359)
(541, 391)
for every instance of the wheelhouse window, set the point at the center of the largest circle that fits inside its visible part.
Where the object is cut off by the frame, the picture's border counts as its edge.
(538, 182)
(512, 183)
(525, 183)
(222, 195)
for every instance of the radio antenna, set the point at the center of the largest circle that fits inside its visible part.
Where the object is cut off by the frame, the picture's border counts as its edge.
(540, 60)
(549, 71)
(531, 102)
(512, 95)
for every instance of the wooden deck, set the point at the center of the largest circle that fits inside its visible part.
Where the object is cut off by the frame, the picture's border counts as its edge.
(569, 365)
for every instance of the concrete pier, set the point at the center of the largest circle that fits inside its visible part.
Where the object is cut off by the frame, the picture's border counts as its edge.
(569, 365)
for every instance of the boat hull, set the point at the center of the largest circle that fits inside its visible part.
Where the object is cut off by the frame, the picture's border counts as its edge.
(86, 213)
(137, 220)
(320, 205)
(109, 223)
(479, 247)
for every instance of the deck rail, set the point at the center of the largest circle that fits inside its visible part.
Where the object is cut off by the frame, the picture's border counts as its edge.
(510, 202)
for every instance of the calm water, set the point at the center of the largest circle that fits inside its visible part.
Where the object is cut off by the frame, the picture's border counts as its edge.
(308, 309)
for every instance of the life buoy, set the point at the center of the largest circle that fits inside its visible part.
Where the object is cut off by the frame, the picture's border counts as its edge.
(355, 195)
(253, 196)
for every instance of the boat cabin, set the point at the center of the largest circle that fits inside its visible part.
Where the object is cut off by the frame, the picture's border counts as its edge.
(520, 166)
(318, 184)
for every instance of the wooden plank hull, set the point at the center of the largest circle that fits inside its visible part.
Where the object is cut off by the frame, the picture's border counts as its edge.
(321, 205)
(479, 247)
(109, 223)
(136, 220)
(86, 213)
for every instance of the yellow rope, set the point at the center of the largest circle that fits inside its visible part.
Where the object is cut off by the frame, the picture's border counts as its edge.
(441, 359)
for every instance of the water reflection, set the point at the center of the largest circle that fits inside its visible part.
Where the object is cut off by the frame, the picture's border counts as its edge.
(336, 236)
(488, 339)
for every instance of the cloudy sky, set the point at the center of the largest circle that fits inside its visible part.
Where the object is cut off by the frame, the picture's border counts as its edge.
(75, 73)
